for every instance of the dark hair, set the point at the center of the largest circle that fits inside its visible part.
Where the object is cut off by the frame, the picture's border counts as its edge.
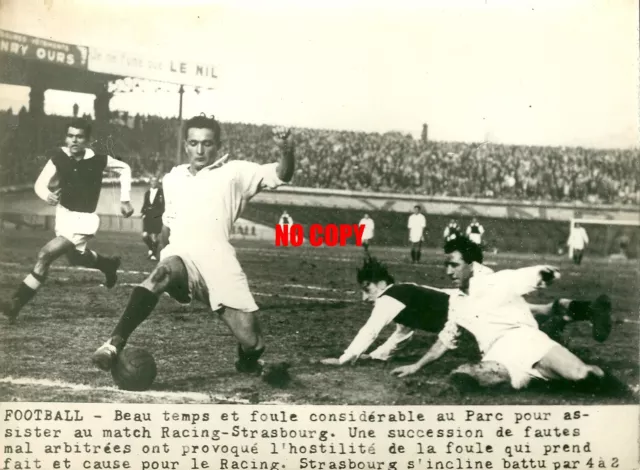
(82, 124)
(417, 207)
(203, 122)
(374, 271)
(470, 251)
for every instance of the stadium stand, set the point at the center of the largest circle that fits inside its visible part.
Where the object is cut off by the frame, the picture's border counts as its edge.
(389, 162)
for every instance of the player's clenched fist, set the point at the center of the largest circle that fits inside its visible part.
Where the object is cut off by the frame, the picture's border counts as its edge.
(53, 198)
(281, 133)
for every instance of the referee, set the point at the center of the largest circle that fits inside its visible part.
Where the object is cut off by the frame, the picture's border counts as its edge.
(152, 210)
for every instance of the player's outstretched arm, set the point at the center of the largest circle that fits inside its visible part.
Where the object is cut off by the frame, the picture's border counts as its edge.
(286, 165)
(398, 340)
(383, 313)
(124, 170)
(447, 339)
(433, 354)
(41, 187)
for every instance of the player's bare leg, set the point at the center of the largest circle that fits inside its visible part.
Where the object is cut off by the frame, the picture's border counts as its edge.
(553, 317)
(246, 328)
(486, 374)
(561, 364)
(90, 259)
(30, 285)
(169, 275)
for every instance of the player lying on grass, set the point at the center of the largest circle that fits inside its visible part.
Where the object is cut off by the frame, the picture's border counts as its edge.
(72, 180)
(202, 202)
(413, 307)
(514, 350)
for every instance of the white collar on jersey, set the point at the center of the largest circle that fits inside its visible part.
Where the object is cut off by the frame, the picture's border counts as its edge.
(217, 164)
(383, 291)
(88, 153)
(479, 270)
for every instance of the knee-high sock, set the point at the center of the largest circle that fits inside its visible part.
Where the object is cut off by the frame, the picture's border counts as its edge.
(141, 304)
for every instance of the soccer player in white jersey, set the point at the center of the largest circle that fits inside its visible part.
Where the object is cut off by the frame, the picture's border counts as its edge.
(416, 224)
(491, 307)
(578, 241)
(202, 202)
(414, 307)
(369, 229)
(71, 180)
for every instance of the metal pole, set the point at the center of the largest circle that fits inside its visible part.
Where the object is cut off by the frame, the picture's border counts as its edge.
(179, 137)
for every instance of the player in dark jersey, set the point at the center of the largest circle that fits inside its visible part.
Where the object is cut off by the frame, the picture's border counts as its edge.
(72, 180)
(152, 210)
(451, 231)
(414, 307)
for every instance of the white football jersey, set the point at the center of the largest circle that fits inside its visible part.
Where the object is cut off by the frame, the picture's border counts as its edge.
(201, 209)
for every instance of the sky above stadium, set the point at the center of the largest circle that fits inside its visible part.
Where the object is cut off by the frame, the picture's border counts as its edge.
(561, 72)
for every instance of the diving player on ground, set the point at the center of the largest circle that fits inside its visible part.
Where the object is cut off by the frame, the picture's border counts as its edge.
(76, 170)
(203, 200)
(514, 351)
(413, 307)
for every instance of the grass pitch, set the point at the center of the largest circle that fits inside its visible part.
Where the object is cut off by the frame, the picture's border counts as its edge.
(310, 309)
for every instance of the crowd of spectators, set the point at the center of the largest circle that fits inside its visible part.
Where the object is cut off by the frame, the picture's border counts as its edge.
(390, 162)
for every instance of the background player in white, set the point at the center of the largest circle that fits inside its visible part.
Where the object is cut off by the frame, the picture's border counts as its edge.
(203, 200)
(285, 219)
(491, 307)
(417, 224)
(71, 180)
(475, 231)
(577, 242)
(369, 229)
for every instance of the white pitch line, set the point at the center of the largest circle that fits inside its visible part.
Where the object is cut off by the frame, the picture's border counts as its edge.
(284, 296)
(129, 284)
(72, 268)
(194, 396)
(301, 297)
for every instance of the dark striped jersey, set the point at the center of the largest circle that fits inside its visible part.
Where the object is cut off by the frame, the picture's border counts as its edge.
(80, 180)
(411, 307)
(424, 309)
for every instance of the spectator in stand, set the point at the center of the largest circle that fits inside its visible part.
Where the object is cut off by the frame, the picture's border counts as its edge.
(389, 162)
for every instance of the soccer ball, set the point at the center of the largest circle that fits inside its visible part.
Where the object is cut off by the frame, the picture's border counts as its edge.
(134, 370)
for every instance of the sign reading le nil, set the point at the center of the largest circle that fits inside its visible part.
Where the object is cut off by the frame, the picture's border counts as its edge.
(163, 69)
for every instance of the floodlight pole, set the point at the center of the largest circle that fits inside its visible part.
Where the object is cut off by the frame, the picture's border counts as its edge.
(179, 137)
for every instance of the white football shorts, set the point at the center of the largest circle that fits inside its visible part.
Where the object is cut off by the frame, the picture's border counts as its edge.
(475, 238)
(518, 351)
(77, 227)
(215, 276)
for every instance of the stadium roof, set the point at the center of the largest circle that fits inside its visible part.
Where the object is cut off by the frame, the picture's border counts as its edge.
(28, 61)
